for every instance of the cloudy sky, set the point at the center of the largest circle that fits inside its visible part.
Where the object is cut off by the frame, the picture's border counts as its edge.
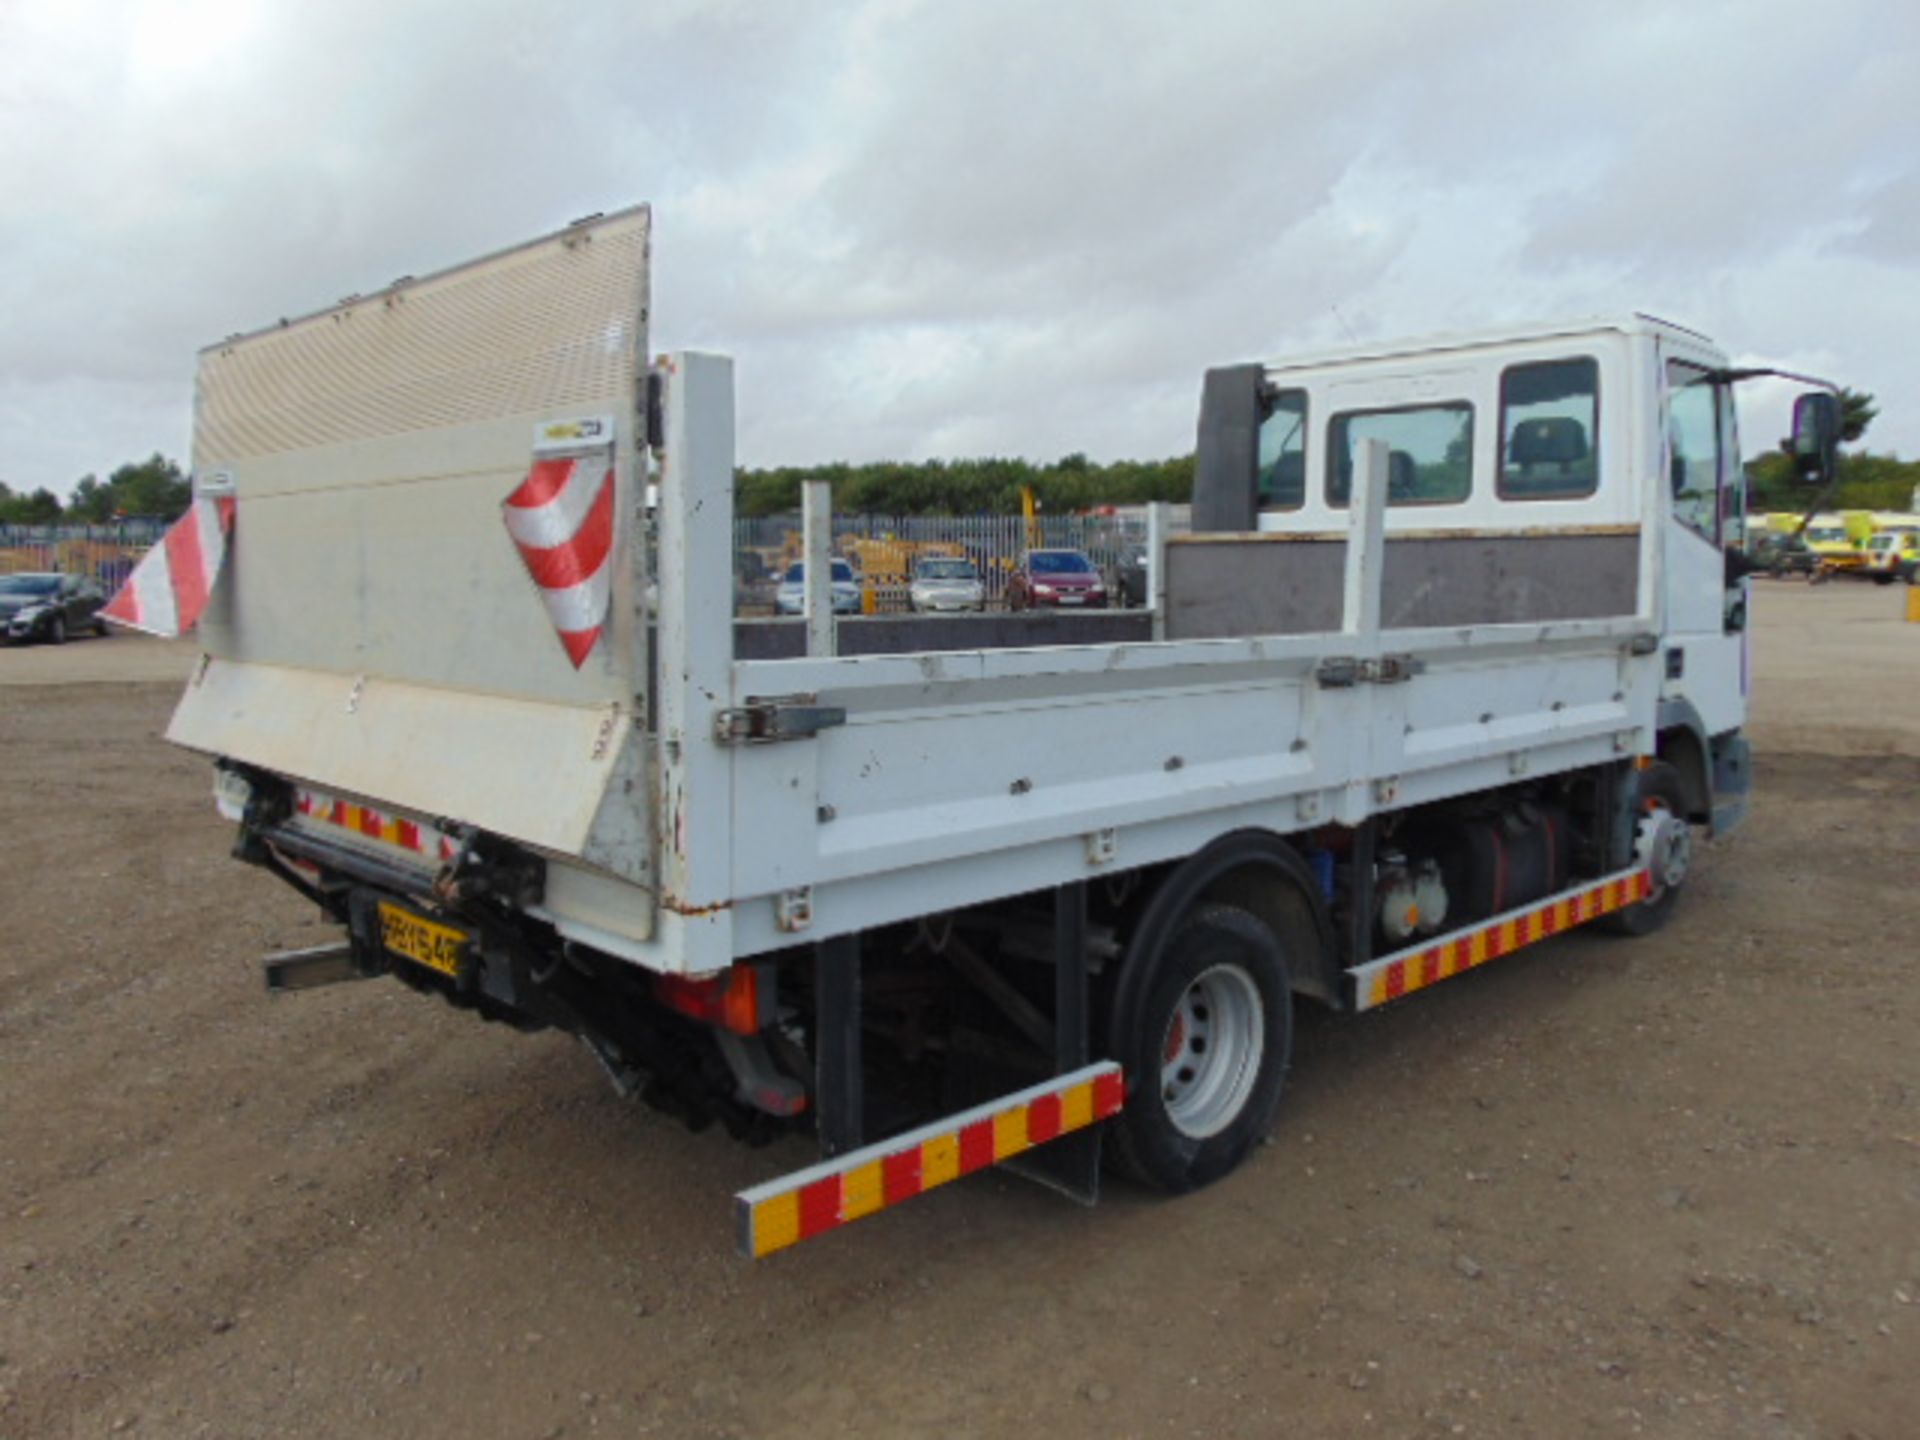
(958, 227)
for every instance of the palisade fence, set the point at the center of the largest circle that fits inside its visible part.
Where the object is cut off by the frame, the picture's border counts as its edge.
(107, 552)
(884, 548)
(881, 548)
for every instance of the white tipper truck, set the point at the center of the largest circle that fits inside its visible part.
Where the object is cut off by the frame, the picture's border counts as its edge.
(1452, 660)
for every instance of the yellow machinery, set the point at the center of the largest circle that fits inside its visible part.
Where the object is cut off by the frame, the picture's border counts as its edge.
(1839, 540)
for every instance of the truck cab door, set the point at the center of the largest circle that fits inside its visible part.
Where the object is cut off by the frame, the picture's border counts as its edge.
(1698, 497)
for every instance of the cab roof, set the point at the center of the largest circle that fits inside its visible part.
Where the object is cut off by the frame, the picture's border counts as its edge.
(1637, 323)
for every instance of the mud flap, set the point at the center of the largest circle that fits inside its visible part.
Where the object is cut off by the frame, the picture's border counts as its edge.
(1070, 1165)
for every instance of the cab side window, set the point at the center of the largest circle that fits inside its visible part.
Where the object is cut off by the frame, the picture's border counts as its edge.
(1693, 449)
(1429, 452)
(1550, 430)
(1283, 452)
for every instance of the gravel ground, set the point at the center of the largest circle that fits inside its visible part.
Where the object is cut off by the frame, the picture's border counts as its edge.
(1667, 1187)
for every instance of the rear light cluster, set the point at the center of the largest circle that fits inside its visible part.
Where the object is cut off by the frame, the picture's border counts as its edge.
(740, 999)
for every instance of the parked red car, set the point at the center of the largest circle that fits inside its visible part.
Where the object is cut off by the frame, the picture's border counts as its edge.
(1048, 578)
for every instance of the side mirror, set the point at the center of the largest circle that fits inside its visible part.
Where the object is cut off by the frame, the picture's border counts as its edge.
(1816, 437)
(1226, 473)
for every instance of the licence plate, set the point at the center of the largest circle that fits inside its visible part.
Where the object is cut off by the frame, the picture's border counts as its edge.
(1072, 599)
(438, 947)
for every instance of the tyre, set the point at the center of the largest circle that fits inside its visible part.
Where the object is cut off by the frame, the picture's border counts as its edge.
(101, 628)
(57, 630)
(1205, 1052)
(1659, 800)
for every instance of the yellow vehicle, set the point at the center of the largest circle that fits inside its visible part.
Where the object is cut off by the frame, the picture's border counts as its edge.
(1838, 541)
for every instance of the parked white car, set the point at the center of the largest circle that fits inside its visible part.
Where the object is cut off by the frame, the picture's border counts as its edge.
(1891, 554)
(791, 599)
(946, 582)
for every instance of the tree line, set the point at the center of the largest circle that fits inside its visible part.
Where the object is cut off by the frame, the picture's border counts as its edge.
(968, 487)
(151, 489)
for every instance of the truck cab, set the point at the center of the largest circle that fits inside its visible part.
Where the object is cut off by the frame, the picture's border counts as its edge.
(1547, 473)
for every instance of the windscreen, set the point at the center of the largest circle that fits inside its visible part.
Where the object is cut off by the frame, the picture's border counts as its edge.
(1059, 562)
(947, 570)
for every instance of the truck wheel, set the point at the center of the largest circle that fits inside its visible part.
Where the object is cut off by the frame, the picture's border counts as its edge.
(1664, 840)
(1206, 1053)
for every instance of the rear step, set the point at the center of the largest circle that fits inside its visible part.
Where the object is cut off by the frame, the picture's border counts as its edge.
(311, 968)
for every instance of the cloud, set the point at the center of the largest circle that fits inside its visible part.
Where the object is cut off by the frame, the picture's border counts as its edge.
(931, 229)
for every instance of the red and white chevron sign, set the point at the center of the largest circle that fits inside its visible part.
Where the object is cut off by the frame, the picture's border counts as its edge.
(561, 521)
(169, 587)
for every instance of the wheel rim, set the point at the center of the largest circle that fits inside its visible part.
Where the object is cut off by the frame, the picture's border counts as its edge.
(1210, 1053)
(1666, 848)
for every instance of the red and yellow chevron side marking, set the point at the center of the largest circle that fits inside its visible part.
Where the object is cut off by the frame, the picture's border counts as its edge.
(372, 824)
(824, 1197)
(1406, 971)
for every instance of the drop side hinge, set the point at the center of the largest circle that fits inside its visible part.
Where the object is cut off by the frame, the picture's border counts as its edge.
(1340, 672)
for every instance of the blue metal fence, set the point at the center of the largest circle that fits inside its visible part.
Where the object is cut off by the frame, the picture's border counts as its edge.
(106, 552)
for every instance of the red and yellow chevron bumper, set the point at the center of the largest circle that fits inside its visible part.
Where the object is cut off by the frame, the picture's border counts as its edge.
(371, 824)
(826, 1196)
(1406, 971)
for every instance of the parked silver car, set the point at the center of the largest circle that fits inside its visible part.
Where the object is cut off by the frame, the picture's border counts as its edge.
(791, 598)
(946, 582)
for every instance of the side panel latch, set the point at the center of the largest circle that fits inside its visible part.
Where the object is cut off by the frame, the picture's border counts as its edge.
(761, 722)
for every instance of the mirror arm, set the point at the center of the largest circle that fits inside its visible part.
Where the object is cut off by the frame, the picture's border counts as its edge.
(1755, 373)
(1819, 503)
